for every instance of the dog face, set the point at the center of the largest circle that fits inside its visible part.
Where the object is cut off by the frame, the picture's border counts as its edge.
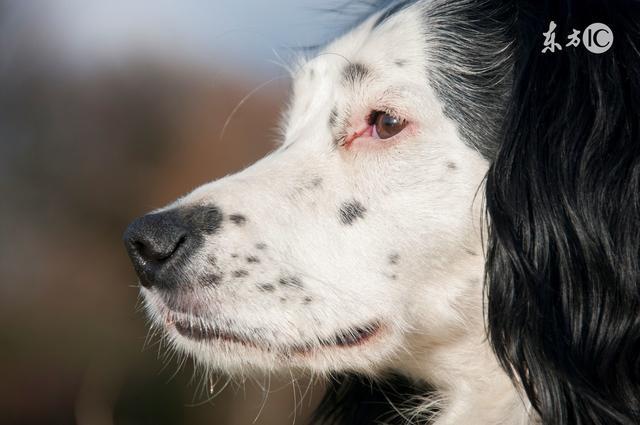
(356, 239)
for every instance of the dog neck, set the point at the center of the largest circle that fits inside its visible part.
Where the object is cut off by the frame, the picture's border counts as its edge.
(471, 387)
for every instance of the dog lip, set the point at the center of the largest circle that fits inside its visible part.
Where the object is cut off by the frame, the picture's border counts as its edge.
(350, 337)
(200, 333)
(343, 339)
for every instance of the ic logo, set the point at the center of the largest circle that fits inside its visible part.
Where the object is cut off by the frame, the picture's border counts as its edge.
(597, 38)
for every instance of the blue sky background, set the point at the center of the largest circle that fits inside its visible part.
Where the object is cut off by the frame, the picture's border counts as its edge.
(222, 33)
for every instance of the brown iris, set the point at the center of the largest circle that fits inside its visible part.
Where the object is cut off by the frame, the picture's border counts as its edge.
(387, 125)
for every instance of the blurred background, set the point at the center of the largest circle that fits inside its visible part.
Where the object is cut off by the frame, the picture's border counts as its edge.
(109, 108)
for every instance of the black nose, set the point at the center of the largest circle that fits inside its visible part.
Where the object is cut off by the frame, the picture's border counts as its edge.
(160, 244)
(153, 242)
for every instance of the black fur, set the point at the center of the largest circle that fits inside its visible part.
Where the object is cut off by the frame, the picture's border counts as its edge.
(238, 219)
(355, 73)
(356, 400)
(291, 282)
(333, 117)
(240, 273)
(563, 198)
(206, 218)
(267, 287)
(211, 279)
(350, 212)
(471, 65)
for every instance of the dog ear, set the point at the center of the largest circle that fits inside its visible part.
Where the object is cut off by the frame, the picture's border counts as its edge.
(563, 201)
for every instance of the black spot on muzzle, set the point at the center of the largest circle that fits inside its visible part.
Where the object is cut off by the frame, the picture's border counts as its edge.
(351, 211)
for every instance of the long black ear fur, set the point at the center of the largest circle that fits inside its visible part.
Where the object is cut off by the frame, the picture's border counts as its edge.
(563, 198)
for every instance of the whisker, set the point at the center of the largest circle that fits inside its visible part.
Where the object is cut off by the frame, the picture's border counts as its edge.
(244, 99)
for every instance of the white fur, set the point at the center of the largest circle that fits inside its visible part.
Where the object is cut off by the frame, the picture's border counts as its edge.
(423, 205)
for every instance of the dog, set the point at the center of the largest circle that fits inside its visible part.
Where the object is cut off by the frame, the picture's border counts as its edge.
(453, 207)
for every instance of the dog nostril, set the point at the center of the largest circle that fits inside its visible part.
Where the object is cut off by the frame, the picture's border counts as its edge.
(152, 241)
(140, 248)
(153, 250)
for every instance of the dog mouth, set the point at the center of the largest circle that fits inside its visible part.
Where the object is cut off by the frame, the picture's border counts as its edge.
(191, 326)
(346, 338)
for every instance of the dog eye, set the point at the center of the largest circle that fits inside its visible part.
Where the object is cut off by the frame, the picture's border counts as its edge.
(386, 125)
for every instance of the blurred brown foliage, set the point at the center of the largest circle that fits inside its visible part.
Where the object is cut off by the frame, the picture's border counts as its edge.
(80, 156)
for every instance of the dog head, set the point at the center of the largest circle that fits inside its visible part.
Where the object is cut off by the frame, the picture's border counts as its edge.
(357, 238)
